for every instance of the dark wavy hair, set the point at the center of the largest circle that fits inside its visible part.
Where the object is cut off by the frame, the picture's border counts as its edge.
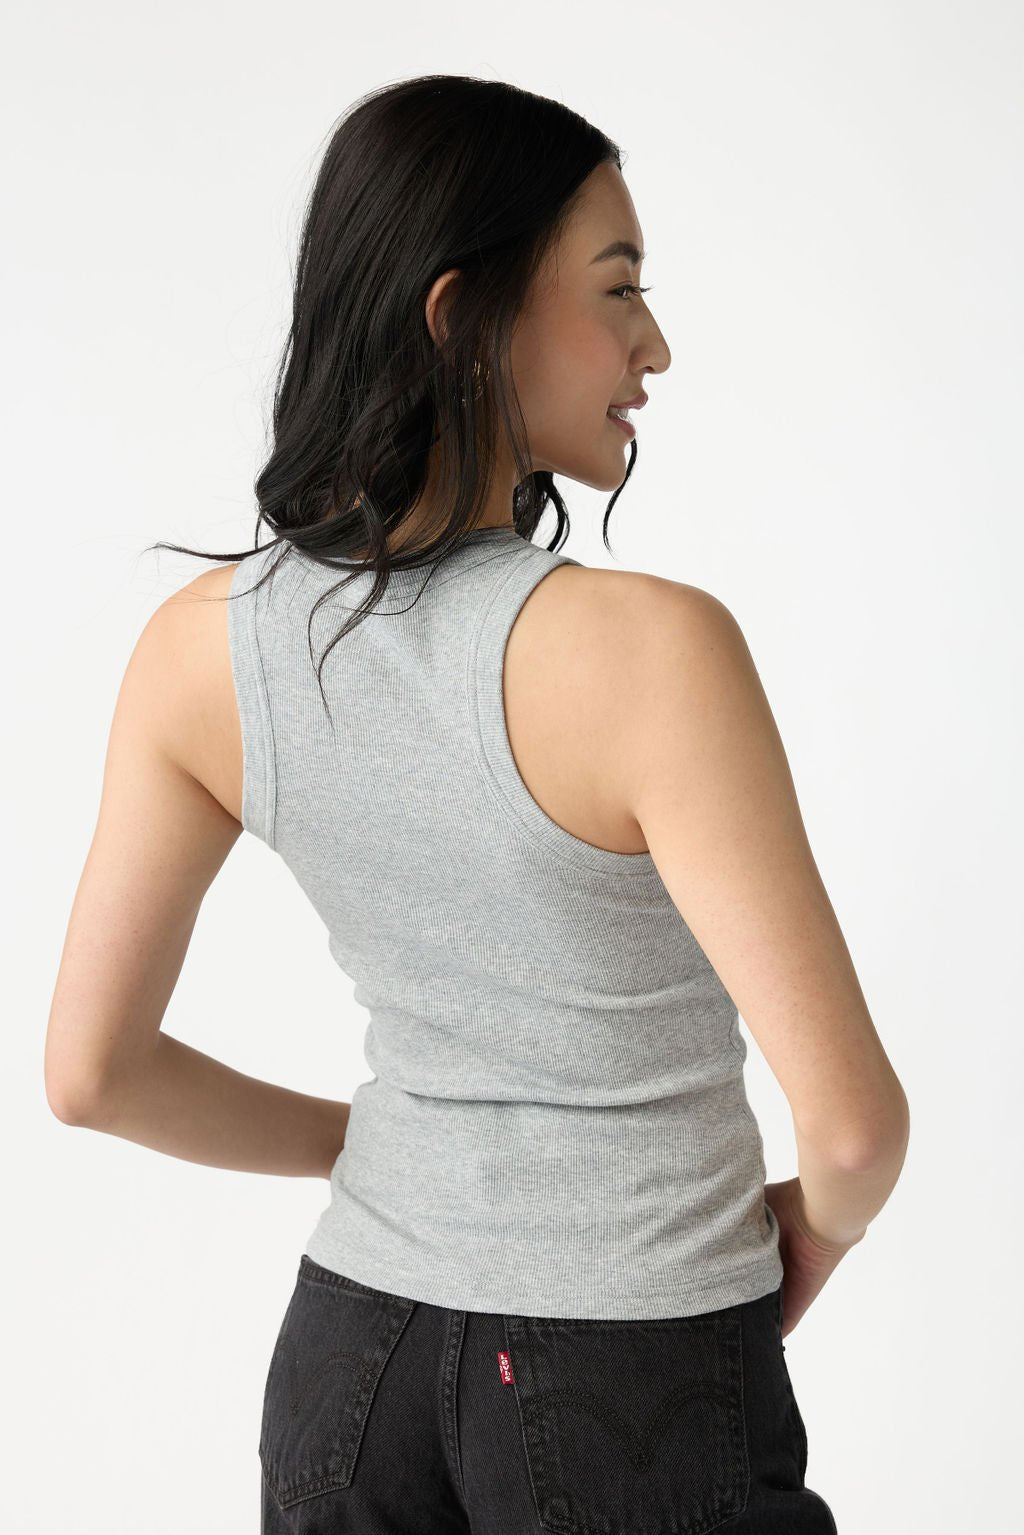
(434, 172)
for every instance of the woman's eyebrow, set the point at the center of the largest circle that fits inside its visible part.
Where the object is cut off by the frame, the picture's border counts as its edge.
(620, 248)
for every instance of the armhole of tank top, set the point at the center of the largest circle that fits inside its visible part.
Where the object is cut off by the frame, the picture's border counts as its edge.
(485, 684)
(259, 772)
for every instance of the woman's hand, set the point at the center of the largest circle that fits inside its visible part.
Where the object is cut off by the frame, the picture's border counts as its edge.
(807, 1258)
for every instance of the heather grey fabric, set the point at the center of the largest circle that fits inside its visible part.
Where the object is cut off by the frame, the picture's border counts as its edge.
(557, 1122)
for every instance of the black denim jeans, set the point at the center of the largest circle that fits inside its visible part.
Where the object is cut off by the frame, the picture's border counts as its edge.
(388, 1416)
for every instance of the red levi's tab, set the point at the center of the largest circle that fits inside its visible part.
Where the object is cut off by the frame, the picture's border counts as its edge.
(505, 1366)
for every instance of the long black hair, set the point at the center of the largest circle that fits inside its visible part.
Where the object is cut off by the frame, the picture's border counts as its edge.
(435, 172)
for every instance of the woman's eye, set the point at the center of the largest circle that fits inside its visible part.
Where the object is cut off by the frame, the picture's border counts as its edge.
(629, 287)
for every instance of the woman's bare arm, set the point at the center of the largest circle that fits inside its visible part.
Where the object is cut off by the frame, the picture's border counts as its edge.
(161, 837)
(706, 776)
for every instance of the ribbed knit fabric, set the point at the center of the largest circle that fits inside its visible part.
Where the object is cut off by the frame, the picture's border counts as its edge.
(557, 1122)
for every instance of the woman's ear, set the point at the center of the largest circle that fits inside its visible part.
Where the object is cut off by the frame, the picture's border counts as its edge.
(436, 318)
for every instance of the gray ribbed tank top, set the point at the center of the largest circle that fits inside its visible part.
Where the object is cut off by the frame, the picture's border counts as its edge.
(557, 1122)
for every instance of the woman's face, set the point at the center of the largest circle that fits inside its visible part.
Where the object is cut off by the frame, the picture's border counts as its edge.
(586, 341)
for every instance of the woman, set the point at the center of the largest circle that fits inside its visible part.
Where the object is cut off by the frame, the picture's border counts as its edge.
(547, 820)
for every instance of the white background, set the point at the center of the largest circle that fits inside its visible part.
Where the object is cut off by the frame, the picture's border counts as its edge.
(831, 199)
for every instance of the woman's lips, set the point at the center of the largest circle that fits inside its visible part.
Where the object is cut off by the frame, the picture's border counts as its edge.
(626, 426)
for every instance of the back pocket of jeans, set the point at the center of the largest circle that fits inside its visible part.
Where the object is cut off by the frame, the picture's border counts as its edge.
(330, 1353)
(632, 1425)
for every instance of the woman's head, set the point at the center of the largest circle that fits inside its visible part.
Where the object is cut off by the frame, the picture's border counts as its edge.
(454, 342)
(580, 341)
(586, 339)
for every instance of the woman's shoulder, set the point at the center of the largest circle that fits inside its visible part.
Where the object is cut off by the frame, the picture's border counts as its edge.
(636, 607)
(188, 663)
(605, 640)
(587, 675)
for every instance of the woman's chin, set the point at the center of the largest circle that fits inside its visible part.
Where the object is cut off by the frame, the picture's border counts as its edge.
(606, 477)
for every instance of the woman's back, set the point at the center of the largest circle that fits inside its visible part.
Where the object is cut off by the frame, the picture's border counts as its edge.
(557, 1123)
(562, 703)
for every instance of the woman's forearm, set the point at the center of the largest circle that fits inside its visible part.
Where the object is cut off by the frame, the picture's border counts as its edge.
(840, 1198)
(188, 1105)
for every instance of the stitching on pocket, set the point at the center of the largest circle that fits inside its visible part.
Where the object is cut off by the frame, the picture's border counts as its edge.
(330, 1354)
(634, 1425)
